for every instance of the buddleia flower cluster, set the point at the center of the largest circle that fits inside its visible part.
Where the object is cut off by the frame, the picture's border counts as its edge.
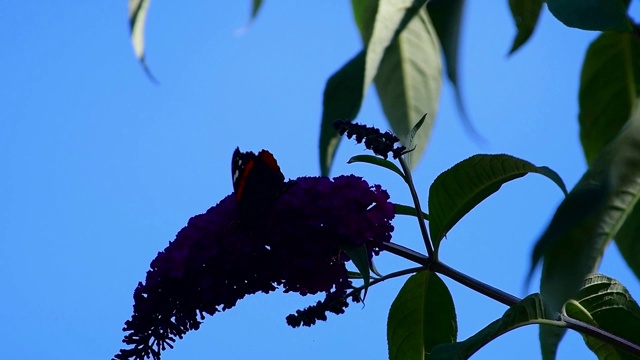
(381, 143)
(214, 262)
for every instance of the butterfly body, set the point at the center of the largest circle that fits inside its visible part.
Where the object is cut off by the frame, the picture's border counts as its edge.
(257, 183)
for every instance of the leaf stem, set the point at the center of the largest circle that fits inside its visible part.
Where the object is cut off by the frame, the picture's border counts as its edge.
(453, 274)
(394, 275)
(416, 201)
(474, 284)
(383, 278)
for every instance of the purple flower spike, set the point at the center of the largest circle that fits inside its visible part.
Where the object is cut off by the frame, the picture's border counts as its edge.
(214, 262)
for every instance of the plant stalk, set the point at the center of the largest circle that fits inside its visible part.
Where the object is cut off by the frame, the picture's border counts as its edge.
(416, 201)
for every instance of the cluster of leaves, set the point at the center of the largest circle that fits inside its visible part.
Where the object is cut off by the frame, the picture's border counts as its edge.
(403, 44)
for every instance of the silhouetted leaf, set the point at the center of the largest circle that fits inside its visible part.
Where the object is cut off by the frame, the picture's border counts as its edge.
(414, 130)
(574, 242)
(346, 89)
(550, 337)
(591, 15)
(137, 18)
(409, 81)
(628, 240)
(364, 14)
(458, 190)
(525, 14)
(609, 88)
(446, 16)
(408, 210)
(360, 258)
(255, 8)
(528, 311)
(376, 160)
(606, 303)
(421, 317)
(570, 243)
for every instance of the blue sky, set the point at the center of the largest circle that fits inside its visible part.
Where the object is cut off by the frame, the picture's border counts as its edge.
(101, 168)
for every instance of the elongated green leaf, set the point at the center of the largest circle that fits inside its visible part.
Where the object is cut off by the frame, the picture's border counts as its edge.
(609, 306)
(458, 190)
(342, 100)
(550, 337)
(414, 130)
(575, 221)
(599, 15)
(374, 270)
(137, 18)
(360, 258)
(409, 81)
(255, 8)
(446, 16)
(527, 312)
(400, 209)
(421, 317)
(364, 14)
(525, 14)
(602, 349)
(609, 87)
(592, 214)
(572, 227)
(628, 240)
(346, 89)
(375, 160)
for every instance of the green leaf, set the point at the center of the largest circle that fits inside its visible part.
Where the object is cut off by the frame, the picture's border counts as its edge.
(458, 190)
(414, 130)
(525, 14)
(421, 317)
(602, 349)
(364, 14)
(628, 240)
(609, 87)
(255, 8)
(589, 217)
(528, 311)
(576, 311)
(575, 219)
(360, 258)
(374, 270)
(446, 16)
(550, 337)
(408, 210)
(137, 18)
(628, 237)
(607, 304)
(375, 160)
(342, 100)
(346, 89)
(601, 15)
(409, 81)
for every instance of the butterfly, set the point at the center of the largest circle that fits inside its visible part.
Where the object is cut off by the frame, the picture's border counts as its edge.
(257, 184)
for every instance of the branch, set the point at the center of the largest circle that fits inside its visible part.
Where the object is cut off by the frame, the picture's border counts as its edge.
(602, 335)
(474, 284)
